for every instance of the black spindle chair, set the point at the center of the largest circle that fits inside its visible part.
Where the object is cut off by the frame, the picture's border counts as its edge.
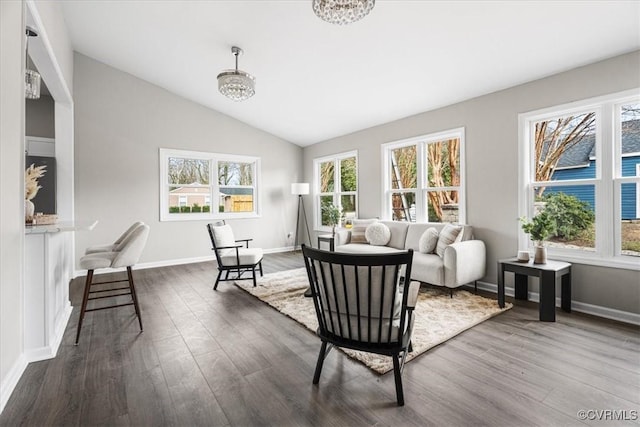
(359, 304)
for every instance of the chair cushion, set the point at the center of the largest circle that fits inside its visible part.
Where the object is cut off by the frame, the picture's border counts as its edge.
(428, 241)
(101, 248)
(378, 288)
(447, 236)
(223, 236)
(248, 256)
(97, 260)
(134, 245)
(359, 229)
(377, 234)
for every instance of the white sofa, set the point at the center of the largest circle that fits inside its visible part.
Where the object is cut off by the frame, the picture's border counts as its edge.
(464, 261)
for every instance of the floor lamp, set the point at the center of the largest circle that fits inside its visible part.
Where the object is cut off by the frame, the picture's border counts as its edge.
(300, 189)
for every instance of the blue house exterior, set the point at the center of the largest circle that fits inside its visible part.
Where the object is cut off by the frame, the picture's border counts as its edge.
(579, 162)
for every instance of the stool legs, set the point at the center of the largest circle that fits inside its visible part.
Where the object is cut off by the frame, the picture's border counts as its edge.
(85, 298)
(87, 292)
(134, 296)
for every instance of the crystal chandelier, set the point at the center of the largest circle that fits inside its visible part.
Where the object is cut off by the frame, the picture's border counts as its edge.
(342, 11)
(236, 84)
(31, 77)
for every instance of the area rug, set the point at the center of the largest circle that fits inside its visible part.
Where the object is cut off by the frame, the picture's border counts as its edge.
(438, 316)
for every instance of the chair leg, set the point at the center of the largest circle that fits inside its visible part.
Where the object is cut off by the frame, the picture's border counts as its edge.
(215, 287)
(254, 276)
(397, 373)
(323, 350)
(450, 292)
(475, 286)
(134, 296)
(410, 349)
(83, 308)
(260, 264)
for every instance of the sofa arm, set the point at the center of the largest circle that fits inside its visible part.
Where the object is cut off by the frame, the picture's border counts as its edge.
(464, 262)
(342, 237)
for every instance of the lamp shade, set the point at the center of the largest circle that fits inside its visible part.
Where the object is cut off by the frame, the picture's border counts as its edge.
(300, 188)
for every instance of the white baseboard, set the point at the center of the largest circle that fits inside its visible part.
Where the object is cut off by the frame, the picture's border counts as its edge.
(170, 262)
(595, 310)
(11, 380)
(50, 351)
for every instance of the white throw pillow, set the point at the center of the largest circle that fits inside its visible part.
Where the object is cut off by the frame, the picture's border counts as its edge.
(428, 241)
(447, 236)
(377, 234)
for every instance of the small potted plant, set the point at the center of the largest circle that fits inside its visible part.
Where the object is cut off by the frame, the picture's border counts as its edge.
(540, 228)
(333, 215)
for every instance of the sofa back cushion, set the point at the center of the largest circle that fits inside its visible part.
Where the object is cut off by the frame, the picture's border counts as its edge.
(398, 233)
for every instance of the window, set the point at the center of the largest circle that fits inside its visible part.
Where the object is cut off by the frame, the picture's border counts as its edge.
(336, 183)
(188, 185)
(579, 164)
(424, 178)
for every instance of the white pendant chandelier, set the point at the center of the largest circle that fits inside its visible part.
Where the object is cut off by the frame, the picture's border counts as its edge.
(31, 77)
(342, 12)
(236, 84)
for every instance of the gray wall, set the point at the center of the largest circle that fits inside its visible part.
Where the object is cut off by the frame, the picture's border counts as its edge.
(122, 121)
(40, 117)
(491, 124)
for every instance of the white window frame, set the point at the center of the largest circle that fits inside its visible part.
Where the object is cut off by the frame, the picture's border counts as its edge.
(607, 181)
(422, 183)
(214, 194)
(337, 186)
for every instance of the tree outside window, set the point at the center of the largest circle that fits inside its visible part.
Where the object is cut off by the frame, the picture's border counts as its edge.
(336, 184)
(424, 178)
(581, 165)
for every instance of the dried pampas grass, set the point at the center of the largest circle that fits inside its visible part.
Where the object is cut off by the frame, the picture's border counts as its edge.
(31, 176)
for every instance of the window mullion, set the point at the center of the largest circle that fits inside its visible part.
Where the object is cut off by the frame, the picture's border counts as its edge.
(606, 198)
(421, 184)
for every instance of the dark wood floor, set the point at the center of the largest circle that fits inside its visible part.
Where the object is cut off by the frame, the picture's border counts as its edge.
(224, 358)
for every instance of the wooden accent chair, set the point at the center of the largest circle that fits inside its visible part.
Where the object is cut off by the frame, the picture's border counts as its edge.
(232, 256)
(359, 304)
(125, 254)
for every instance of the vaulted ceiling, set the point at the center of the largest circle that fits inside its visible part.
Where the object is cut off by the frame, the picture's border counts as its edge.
(316, 81)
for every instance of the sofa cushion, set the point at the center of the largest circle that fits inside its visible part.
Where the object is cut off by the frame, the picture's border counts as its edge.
(447, 236)
(377, 234)
(358, 230)
(428, 241)
(428, 268)
(398, 233)
(359, 248)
